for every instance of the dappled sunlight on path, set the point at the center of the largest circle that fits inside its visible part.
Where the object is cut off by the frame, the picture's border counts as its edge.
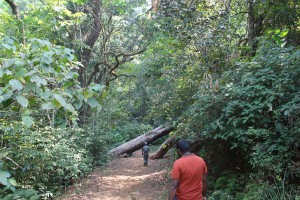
(124, 178)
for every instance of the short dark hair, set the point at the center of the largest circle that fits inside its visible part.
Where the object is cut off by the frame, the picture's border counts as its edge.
(183, 145)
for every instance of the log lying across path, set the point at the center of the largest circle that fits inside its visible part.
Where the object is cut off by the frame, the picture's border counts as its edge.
(137, 143)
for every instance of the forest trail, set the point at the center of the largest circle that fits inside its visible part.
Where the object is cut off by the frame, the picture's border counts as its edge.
(124, 178)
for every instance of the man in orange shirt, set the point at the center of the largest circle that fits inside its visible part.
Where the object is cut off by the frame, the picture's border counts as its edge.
(189, 175)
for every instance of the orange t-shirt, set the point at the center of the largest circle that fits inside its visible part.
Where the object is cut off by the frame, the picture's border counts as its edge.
(189, 171)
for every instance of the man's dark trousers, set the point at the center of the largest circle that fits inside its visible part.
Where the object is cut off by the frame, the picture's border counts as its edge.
(146, 155)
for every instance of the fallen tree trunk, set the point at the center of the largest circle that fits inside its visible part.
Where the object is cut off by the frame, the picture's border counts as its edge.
(137, 143)
(163, 149)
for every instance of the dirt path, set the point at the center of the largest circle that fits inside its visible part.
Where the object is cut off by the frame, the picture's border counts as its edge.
(126, 179)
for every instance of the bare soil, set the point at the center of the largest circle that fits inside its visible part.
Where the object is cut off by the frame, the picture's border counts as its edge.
(126, 179)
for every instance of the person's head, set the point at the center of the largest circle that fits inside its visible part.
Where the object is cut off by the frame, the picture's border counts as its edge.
(182, 146)
(145, 143)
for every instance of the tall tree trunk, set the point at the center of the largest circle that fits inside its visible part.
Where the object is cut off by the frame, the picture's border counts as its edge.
(251, 22)
(154, 5)
(138, 142)
(90, 40)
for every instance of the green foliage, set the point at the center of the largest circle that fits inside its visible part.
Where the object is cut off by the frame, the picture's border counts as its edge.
(48, 20)
(78, 1)
(230, 182)
(41, 78)
(23, 194)
(128, 131)
(226, 186)
(279, 191)
(275, 13)
(219, 194)
(278, 36)
(49, 159)
(256, 109)
(116, 127)
(242, 187)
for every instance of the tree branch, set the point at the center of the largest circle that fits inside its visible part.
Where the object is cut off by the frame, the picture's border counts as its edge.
(15, 11)
(95, 71)
(7, 158)
(13, 7)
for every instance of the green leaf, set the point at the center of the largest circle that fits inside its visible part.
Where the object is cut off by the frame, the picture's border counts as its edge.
(45, 95)
(74, 121)
(4, 71)
(87, 94)
(284, 33)
(93, 102)
(6, 96)
(80, 96)
(21, 72)
(99, 108)
(30, 87)
(68, 84)
(48, 106)
(47, 59)
(22, 100)
(77, 104)
(15, 84)
(69, 93)
(39, 81)
(60, 99)
(32, 100)
(13, 182)
(286, 113)
(27, 120)
(4, 175)
(46, 68)
(71, 75)
(96, 87)
(19, 63)
(7, 46)
(26, 113)
(9, 40)
(70, 107)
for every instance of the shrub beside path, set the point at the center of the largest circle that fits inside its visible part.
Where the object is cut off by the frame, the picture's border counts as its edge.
(124, 179)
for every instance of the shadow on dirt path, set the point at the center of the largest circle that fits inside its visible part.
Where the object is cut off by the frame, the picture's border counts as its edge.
(124, 178)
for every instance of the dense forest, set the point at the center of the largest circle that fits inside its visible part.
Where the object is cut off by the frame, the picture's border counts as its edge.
(80, 77)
